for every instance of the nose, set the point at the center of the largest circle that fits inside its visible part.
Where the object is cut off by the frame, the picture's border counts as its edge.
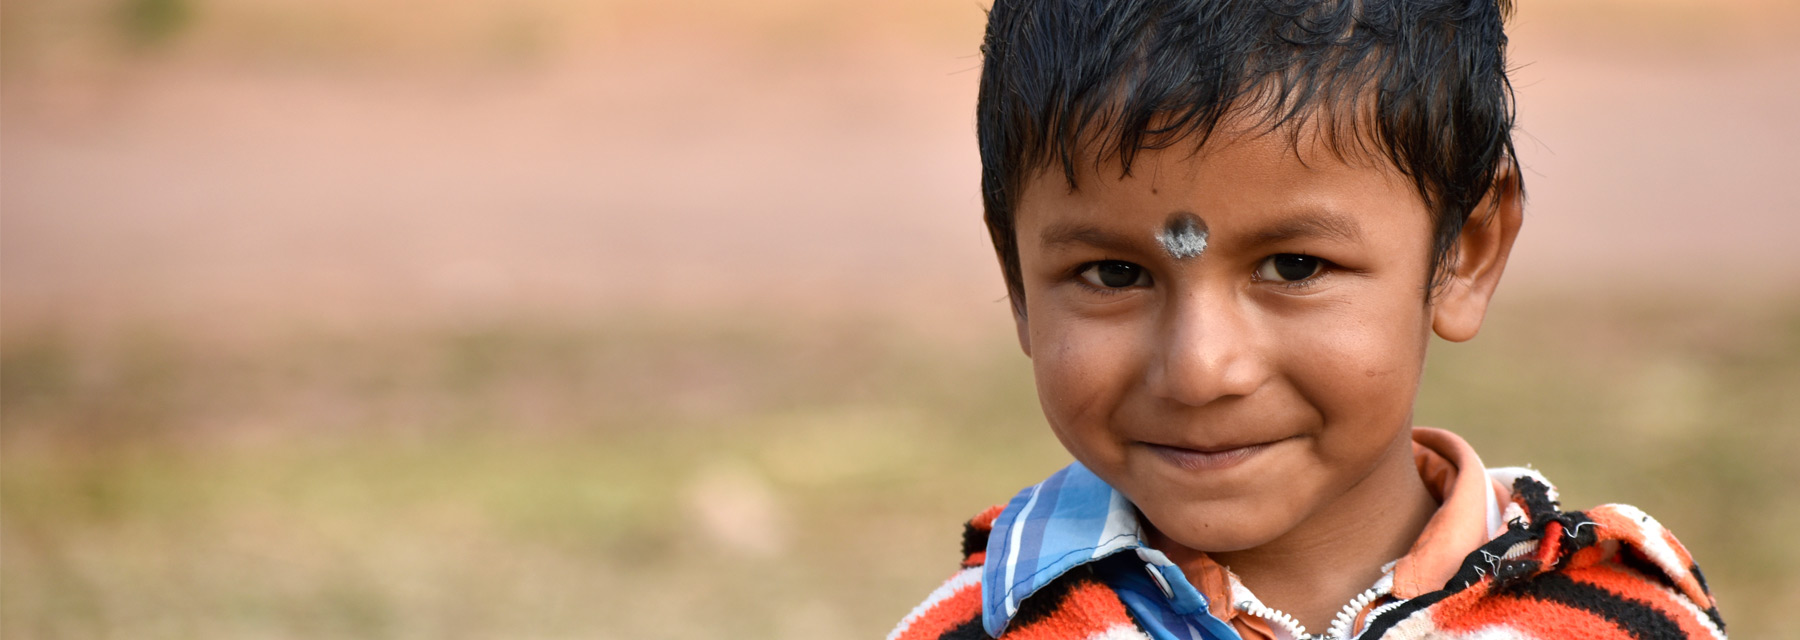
(1208, 351)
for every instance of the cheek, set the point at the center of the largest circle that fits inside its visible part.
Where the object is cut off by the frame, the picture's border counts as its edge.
(1361, 366)
(1083, 369)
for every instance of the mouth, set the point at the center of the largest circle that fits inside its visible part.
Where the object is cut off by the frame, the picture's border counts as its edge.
(1210, 458)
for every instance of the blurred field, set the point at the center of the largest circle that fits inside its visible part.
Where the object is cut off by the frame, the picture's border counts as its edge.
(634, 479)
(631, 319)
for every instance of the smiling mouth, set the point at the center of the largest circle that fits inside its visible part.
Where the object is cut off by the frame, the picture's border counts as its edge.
(1208, 459)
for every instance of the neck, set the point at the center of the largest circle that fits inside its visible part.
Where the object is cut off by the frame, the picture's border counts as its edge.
(1314, 569)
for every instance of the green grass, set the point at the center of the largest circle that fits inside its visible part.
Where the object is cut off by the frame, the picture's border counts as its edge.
(681, 478)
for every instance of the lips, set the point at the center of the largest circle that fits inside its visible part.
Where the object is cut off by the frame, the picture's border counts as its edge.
(1210, 458)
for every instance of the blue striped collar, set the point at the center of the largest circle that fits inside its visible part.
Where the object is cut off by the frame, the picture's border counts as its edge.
(1068, 520)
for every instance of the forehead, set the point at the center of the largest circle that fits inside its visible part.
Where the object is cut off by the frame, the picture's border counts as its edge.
(1237, 174)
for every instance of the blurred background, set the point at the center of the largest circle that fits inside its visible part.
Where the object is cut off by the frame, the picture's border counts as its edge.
(676, 319)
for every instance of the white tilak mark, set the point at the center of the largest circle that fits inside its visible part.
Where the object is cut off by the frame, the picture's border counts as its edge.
(1184, 238)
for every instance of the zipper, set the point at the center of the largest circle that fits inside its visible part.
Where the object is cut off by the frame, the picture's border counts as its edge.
(1369, 620)
(1340, 626)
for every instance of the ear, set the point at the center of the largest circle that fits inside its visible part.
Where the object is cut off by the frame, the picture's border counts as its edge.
(1024, 328)
(1479, 257)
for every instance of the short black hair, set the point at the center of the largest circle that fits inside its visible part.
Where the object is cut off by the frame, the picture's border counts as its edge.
(1420, 84)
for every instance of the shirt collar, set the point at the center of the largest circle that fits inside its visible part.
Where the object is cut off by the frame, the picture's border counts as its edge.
(1068, 520)
(1468, 512)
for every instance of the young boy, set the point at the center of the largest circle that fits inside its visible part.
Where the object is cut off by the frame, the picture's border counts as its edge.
(1229, 229)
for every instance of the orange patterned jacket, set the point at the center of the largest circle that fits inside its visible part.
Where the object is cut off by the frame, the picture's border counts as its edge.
(1609, 572)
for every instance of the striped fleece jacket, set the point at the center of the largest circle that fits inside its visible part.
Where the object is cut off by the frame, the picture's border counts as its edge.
(1609, 572)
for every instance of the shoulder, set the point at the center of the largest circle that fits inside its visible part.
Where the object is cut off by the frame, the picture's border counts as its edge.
(1629, 570)
(1075, 606)
(953, 610)
(1610, 571)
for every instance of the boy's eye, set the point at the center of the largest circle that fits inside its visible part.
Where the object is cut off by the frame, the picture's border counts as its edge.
(1289, 267)
(1113, 274)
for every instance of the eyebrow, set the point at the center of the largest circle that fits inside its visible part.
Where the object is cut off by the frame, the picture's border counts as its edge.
(1067, 234)
(1326, 225)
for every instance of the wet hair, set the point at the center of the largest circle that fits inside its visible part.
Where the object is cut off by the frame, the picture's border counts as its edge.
(1418, 84)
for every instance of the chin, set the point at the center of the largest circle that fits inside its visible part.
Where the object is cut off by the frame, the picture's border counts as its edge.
(1217, 530)
(1227, 540)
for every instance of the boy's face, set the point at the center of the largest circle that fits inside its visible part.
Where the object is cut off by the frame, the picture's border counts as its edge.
(1236, 391)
